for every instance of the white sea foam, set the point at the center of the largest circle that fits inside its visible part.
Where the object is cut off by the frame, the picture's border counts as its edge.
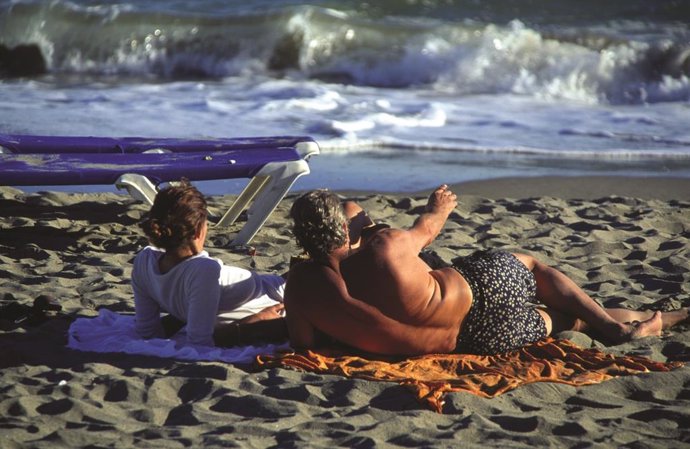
(414, 98)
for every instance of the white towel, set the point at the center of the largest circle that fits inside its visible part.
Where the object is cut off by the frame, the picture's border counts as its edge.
(112, 332)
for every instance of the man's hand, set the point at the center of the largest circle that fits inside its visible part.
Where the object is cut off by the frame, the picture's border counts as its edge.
(261, 327)
(427, 227)
(269, 313)
(442, 201)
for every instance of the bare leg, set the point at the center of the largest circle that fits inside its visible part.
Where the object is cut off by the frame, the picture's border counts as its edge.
(561, 322)
(572, 304)
(668, 319)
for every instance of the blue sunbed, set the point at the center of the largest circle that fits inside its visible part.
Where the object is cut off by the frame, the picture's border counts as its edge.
(139, 165)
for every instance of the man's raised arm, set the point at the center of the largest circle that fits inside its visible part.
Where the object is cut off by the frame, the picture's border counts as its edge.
(428, 225)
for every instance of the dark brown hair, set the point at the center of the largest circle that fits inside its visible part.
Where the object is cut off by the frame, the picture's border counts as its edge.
(177, 213)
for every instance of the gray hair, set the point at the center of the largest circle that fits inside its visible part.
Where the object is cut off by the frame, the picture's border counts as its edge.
(318, 222)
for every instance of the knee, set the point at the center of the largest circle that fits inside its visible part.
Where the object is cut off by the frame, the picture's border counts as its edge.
(358, 220)
(352, 209)
(527, 260)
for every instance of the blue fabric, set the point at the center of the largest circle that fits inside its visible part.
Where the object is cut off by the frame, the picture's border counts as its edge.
(113, 332)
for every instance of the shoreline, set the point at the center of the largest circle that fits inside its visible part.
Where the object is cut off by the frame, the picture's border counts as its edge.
(578, 187)
(565, 187)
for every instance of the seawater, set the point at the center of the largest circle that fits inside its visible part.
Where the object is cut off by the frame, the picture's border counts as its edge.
(400, 95)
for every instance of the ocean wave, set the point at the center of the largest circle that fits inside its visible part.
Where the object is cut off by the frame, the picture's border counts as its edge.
(631, 61)
(345, 145)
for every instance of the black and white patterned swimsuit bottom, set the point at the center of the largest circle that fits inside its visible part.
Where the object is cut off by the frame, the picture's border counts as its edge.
(502, 316)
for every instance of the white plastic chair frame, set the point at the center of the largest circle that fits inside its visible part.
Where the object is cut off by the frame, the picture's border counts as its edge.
(264, 191)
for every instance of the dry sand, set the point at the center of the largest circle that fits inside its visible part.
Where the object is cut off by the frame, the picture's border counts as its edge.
(625, 250)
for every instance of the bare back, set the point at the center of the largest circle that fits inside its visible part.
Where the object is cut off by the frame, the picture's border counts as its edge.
(382, 298)
(388, 274)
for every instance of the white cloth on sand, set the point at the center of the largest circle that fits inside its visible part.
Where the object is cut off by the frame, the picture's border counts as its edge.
(113, 332)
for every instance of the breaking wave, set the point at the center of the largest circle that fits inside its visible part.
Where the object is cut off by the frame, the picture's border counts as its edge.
(390, 45)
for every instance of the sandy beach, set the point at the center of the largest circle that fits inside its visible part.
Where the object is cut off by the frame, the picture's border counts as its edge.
(626, 241)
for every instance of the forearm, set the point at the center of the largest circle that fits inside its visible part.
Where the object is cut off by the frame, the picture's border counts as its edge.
(147, 322)
(365, 327)
(430, 224)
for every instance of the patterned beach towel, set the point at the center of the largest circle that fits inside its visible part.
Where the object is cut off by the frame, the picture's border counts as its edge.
(430, 377)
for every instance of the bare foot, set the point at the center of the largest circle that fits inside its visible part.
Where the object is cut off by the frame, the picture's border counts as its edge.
(632, 330)
(646, 328)
(674, 317)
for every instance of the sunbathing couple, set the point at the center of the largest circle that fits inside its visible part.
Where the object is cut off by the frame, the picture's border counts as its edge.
(365, 286)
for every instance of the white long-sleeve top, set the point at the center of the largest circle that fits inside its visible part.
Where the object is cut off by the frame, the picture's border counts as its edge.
(195, 291)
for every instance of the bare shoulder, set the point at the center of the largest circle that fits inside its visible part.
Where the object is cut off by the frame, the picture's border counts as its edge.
(391, 238)
(310, 281)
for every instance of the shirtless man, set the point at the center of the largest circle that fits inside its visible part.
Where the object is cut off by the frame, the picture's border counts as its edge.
(374, 293)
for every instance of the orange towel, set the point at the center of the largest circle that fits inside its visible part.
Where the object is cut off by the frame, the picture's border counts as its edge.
(430, 377)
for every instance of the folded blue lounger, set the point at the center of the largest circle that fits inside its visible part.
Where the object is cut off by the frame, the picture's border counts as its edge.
(139, 165)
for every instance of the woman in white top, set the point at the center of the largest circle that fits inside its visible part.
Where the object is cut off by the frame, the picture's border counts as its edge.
(175, 275)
